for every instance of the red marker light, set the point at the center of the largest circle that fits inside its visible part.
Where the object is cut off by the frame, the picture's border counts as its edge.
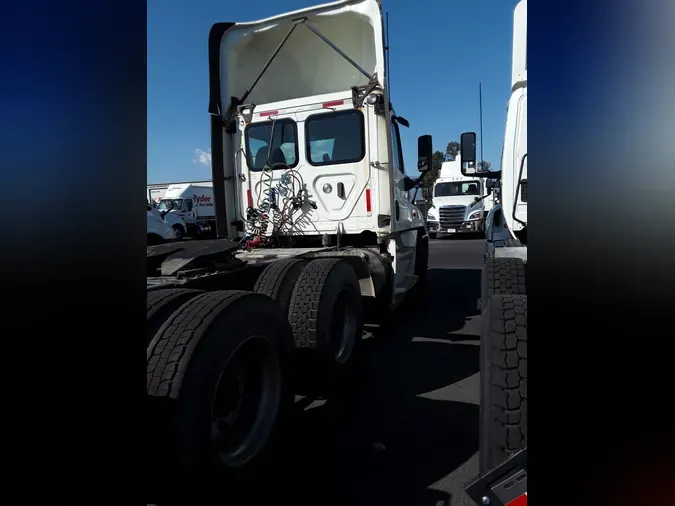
(368, 208)
(334, 103)
(268, 113)
(249, 198)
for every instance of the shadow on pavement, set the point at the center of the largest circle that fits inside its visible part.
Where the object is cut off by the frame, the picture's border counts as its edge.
(375, 440)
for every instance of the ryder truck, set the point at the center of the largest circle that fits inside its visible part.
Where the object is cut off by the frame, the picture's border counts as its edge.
(502, 478)
(193, 203)
(316, 233)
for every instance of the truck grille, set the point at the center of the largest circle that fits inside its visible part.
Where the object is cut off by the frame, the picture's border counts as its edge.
(452, 216)
(523, 191)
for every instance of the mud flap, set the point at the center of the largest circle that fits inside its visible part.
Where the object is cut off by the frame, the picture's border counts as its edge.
(505, 485)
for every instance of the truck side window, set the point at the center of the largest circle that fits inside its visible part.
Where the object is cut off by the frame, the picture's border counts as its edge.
(335, 137)
(397, 160)
(284, 144)
(188, 205)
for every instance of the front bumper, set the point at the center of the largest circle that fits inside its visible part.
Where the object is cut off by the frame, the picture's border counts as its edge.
(465, 227)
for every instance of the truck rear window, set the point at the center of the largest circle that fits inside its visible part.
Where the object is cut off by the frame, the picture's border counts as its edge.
(284, 145)
(335, 137)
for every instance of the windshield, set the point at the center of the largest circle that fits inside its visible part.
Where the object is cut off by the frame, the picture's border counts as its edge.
(457, 188)
(171, 204)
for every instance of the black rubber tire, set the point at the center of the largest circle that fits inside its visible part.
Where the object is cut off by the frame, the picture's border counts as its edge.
(278, 279)
(180, 232)
(503, 276)
(185, 361)
(503, 372)
(154, 240)
(422, 257)
(161, 304)
(313, 304)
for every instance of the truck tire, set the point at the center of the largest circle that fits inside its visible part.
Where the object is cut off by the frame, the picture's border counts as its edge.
(503, 371)
(326, 312)
(180, 232)
(422, 257)
(220, 362)
(503, 276)
(161, 304)
(154, 240)
(278, 279)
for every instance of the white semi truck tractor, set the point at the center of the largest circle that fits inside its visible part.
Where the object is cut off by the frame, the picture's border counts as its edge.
(503, 433)
(316, 233)
(458, 202)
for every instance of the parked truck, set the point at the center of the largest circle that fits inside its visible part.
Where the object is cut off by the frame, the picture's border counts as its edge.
(458, 202)
(159, 231)
(502, 478)
(315, 231)
(193, 204)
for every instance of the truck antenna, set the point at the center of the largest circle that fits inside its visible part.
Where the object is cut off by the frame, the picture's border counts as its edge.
(388, 59)
(480, 107)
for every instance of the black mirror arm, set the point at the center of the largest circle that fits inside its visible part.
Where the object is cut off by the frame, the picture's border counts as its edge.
(409, 183)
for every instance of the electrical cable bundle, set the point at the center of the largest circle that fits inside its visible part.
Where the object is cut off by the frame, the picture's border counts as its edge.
(280, 201)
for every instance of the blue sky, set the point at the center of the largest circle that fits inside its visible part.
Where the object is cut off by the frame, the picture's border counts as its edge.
(440, 50)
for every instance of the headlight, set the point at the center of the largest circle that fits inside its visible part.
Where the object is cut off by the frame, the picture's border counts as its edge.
(431, 214)
(475, 215)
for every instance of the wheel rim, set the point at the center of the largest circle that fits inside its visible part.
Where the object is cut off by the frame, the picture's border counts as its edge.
(343, 326)
(246, 402)
(179, 232)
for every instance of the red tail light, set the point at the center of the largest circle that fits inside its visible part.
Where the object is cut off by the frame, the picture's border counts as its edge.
(368, 206)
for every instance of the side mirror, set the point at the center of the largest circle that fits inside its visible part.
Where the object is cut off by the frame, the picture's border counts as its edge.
(425, 153)
(467, 148)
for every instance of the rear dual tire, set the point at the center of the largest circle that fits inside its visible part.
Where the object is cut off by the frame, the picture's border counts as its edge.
(216, 378)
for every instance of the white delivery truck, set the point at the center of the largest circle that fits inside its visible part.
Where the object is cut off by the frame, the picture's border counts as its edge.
(458, 202)
(503, 442)
(193, 204)
(316, 233)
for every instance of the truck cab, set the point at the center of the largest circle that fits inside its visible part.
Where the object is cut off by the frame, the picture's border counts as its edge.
(458, 205)
(306, 143)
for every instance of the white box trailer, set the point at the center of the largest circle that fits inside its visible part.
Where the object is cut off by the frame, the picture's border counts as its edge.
(156, 191)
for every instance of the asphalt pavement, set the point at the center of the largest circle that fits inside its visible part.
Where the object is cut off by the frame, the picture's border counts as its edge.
(403, 430)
